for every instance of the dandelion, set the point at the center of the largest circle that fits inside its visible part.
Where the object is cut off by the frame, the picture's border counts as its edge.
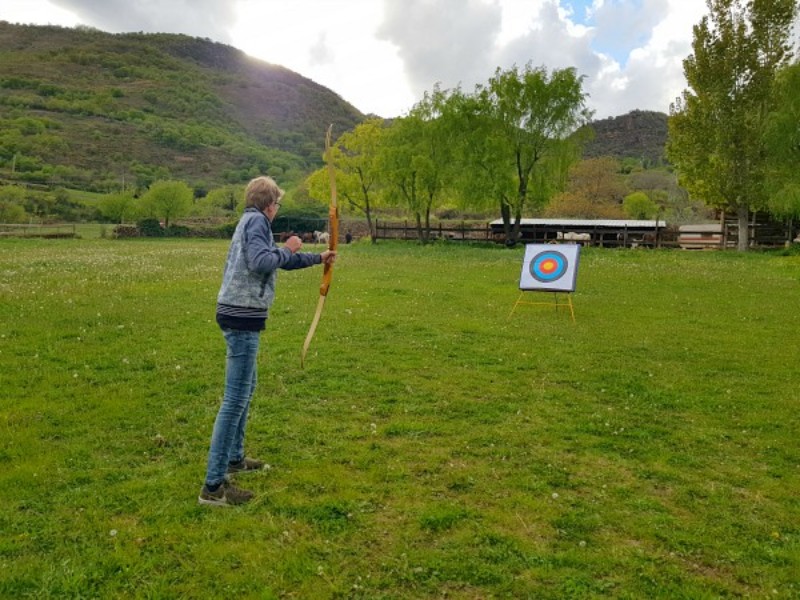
(555, 496)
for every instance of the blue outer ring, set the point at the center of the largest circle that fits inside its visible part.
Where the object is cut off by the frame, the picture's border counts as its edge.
(561, 268)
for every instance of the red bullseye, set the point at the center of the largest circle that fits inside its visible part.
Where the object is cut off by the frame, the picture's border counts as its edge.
(548, 266)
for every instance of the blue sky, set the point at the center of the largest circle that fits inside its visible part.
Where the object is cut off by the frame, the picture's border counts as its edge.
(580, 10)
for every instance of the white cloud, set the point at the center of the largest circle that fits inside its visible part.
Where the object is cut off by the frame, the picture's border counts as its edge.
(36, 13)
(201, 18)
(330, 42)
(381, 56)
(447, 41)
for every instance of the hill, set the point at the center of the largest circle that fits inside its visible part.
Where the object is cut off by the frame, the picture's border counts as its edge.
(640, 134)
(93, 110)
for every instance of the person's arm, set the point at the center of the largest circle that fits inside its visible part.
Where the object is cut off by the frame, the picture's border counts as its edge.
(261, 254)
(301, 260)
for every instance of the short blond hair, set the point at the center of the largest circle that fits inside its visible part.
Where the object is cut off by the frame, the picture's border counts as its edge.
(262, 192)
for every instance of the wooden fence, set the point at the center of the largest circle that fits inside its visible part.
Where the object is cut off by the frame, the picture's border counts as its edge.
(763, 233)
(385, 230)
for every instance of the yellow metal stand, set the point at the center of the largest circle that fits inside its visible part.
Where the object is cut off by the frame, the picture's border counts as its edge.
(555, 303)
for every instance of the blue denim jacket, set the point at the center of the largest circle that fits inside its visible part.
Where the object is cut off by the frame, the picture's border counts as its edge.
(248, 281)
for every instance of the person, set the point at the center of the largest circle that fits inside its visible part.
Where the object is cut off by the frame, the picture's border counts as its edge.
(243, 303)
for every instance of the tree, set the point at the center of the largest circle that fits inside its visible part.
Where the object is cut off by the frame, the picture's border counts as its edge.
(716, 127)
(528, 116)
(168, 200)
(416, 159)
(223, 200)
(782, 139)
(115, 207)
(12, 198)
(595, 190)
(355, 158)
(638, 205)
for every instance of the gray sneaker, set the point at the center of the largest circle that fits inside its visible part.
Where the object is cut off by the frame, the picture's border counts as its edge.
(226, 494)
(245, 465)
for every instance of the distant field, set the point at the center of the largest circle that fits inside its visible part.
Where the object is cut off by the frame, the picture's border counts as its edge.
(431, 448)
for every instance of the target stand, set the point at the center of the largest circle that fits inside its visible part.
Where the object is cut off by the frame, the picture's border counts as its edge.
(547, 269)
(557, 303)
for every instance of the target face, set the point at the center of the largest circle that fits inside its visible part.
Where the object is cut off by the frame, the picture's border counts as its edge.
(549, 266)
(548, 269)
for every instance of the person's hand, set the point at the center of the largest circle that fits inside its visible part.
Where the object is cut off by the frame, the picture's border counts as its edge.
(294, 244)
(328, 257)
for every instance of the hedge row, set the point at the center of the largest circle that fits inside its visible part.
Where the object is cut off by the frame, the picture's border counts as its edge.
(153, 228)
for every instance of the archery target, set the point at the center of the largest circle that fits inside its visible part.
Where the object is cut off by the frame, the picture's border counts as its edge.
(550, 268)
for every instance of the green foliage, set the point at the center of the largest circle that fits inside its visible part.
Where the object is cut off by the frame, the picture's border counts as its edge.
(153, 107)
(149, 228)
(594, 190)
(418, 160)
(115, 207)
(431, 447)
(638, 205)
(12, 198)
(785, 202)
(782, 139)
(225, 200)
(518, 136)
(168, 199)
(717, 126)
(356, 156)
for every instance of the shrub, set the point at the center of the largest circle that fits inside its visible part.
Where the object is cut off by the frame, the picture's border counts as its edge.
(226, 230)
(150, 228)
(177, 231)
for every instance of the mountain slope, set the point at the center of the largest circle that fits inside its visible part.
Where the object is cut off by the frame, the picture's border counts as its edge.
(641, 135)
(88, 109)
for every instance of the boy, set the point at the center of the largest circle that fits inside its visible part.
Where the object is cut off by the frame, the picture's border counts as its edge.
(246, 294)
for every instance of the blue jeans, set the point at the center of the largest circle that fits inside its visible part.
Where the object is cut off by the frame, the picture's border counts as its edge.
(227, 440)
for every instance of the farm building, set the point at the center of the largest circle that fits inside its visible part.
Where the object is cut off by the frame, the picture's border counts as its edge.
(590, 232)
(701, 236)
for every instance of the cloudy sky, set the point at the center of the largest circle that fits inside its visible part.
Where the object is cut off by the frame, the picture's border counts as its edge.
(382, 55)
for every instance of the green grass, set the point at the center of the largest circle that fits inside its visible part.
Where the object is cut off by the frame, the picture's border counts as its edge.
(87, 231)
(432, 446)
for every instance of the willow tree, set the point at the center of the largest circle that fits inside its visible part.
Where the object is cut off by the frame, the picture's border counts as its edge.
(355, 157)
(417, 159)
(717, 126)
(527, 119)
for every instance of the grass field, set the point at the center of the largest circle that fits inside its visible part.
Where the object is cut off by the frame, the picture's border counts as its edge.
(432, 447)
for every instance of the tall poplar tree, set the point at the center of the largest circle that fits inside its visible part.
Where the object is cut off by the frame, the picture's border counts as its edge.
(716, 127)
(783, 148)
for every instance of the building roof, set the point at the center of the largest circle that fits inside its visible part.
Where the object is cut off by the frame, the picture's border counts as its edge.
(701, 228)
(583, 223)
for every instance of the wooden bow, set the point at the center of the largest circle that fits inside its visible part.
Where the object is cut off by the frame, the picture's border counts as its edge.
(333, 241)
